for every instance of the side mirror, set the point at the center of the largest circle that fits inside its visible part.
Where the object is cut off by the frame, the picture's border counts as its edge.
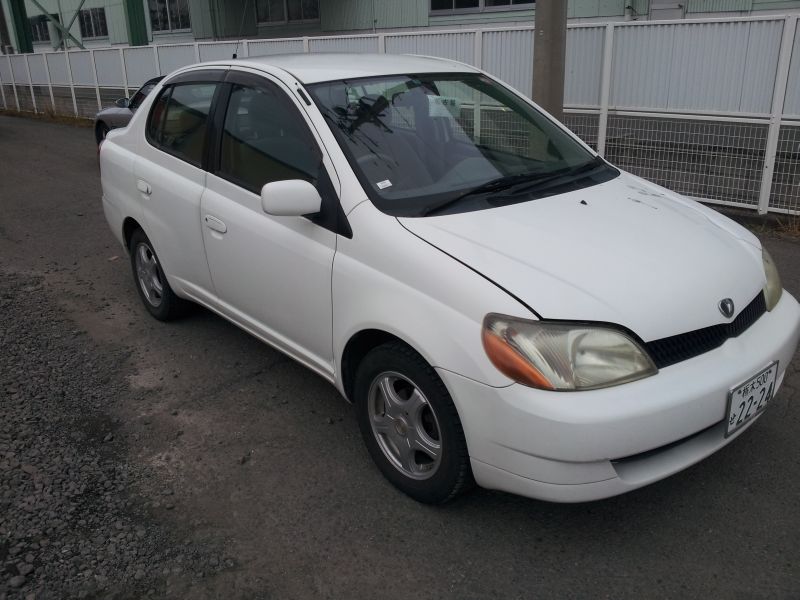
(122, 103)
(291, 198)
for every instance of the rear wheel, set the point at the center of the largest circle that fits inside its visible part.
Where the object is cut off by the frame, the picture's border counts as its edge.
(152, 285)
(410, 424)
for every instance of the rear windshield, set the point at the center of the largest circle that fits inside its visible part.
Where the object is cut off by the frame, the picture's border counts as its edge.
(422, 142)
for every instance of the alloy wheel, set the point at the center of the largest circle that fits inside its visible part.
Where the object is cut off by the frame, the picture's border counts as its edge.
(405, 425)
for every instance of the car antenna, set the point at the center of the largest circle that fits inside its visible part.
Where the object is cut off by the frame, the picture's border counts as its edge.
(241, 28)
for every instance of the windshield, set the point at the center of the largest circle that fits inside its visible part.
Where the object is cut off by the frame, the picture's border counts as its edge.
(446, 143)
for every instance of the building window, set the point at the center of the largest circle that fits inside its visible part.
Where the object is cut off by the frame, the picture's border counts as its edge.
(169, 15)
(39, 31)
(477, 5)
(93, 23)
(283, 11)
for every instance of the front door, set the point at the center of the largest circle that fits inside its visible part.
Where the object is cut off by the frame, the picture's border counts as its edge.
(271, 274)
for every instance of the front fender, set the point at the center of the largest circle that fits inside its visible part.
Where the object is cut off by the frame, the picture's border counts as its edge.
(389, 279)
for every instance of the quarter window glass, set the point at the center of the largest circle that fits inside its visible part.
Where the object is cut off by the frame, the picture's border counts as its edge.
(156, 117)
(265, 140)
(182, 130)
(140, 95)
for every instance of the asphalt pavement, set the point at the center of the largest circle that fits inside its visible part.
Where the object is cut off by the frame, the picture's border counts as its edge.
(188, 460)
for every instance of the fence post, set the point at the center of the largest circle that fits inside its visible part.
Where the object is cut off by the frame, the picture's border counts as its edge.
(30, 84)
(71, 81)
(124, 72)
(96, 81)
(605, 88)
(381, 43)
(477, 56)
(3, 93)
(778, 97)
(196, 52)
(13, 81)
(305, 44)
(158, 60)
(49, 82)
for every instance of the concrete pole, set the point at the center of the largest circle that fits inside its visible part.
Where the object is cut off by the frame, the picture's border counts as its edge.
(549, 55)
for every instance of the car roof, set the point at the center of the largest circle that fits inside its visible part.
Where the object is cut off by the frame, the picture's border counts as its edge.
(314, 68)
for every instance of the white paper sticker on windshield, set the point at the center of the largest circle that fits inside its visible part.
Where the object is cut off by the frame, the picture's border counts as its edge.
(382, 185)
(443, 106)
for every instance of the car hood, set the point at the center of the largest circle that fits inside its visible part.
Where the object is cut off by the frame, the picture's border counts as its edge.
(625, 251)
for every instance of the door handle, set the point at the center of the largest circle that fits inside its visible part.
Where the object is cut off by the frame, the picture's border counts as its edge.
(143, 187)
(215, 224)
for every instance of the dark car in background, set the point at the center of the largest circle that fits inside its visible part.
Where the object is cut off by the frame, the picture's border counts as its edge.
(120, 114)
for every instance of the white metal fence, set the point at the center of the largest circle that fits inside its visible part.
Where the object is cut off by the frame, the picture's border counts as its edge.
(708, 108)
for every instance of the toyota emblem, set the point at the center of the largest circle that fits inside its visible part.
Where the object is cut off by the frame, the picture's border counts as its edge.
(726, 307)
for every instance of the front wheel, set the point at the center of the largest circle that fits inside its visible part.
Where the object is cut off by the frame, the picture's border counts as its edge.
(410, 424)
(152, 285)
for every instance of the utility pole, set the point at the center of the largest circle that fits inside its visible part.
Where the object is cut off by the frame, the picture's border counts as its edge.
(549, 55)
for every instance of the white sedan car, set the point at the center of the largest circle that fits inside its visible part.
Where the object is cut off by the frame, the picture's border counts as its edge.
(501, 305)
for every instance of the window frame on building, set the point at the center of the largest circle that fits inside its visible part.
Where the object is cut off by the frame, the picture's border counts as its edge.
(38, 25)
(481, 7)
(96, 20)
(153, 8)
(286, 20)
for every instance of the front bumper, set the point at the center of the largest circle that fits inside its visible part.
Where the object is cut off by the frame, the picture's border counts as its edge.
(579, 446)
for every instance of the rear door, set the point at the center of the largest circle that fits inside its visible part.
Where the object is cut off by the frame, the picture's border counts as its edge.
(271, 274)
(170, 177)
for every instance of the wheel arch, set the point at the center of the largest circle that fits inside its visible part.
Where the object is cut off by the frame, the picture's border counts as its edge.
(129, 225)
(357, 347)
(100, 123)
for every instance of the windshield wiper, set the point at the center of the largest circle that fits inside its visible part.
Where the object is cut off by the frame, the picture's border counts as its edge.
(540, 182)
(525, 181)
(493, 185)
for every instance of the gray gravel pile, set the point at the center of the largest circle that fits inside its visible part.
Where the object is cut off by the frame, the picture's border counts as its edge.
(71, 522)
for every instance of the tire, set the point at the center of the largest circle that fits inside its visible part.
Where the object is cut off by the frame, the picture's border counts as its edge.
(410, 425)
(100, 132)
(153, 287)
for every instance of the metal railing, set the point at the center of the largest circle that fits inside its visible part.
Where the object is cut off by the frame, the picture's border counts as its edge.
(709, 108)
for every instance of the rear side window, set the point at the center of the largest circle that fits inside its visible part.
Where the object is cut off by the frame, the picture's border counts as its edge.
(265, 139)
(178, 120)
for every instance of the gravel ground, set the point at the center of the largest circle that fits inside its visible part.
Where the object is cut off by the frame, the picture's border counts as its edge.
(75, 520)
(273, 494)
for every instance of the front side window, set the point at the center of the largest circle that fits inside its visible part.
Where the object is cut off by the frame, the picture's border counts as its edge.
(265, 139)
(93, 23)
(283, 11)
(178, 120)
(477, 5)
(169, 15)
(422, 142)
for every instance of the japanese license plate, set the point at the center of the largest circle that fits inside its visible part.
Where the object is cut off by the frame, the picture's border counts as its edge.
(750, 398)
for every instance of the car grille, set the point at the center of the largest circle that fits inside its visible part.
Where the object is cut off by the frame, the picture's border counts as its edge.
(670, 350)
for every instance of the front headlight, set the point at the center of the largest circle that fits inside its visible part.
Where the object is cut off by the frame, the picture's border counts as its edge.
(563, 356)
(773, 288)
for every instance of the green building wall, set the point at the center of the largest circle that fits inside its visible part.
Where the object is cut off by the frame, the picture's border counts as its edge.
(221, 19)
(115, 16)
